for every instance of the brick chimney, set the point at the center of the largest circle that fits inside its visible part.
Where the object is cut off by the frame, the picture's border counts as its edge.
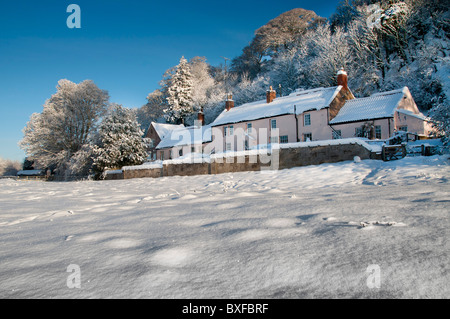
(201, 117)
(342, 79)
(229, 103)
(271, 94)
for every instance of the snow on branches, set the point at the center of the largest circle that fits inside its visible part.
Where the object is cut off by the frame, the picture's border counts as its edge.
(180, 93)
(120, 140)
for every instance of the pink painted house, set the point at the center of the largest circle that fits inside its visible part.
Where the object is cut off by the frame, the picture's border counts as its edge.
(156, 133)
(303, 115)
(183, 141)
(380, 116)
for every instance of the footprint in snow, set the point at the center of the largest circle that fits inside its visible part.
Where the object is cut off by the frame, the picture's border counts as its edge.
(369, 225)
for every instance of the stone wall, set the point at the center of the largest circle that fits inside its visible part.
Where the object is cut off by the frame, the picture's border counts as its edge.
(114, 176)
(186, 169)
(138, 173)
(302, 156)
(279, 159)
(236, 164)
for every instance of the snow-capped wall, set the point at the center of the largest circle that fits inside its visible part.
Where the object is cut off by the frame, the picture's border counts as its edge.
(278, 157)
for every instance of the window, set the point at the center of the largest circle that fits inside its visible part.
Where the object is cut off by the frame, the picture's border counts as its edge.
(337, 134)
(378, 131)
(403, 128)
(307, 119)
(228, 146)
(162, 156)
(273, 140)
(249, 128)
(359, 132)
(228, 130)
(180, 152)
(192, 149)
(307, 137)
(273, 123)
(283, 139)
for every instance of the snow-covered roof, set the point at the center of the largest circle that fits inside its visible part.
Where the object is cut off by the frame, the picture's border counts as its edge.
(380, 105)
(31, 172)
(306, 100)
(192, 135)
(419, 116)
(164, 129)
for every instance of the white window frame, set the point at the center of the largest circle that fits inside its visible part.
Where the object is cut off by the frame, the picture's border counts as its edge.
(274, 140)
(273, 124)
(307, 122)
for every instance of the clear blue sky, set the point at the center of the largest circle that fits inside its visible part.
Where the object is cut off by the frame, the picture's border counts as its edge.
(124, 46)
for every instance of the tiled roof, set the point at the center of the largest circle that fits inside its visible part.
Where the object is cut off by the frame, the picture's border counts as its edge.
(314, 99)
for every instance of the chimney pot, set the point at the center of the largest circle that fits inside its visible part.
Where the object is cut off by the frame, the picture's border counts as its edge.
(201, 118)
(342, 79)
(271, 94)
(229, 103)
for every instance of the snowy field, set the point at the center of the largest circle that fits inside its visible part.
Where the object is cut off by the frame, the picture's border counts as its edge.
(308, 232)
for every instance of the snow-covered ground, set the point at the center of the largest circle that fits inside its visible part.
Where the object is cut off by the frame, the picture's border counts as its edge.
(307, 232)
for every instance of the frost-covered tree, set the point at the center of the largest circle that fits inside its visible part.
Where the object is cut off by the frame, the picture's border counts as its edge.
(322, 54)
(65, 125)
(284, 30)
(280, 33)
(345, 13)
(9, 167)
(153, 110)
(120, 140)
(179, 92)
(202, 82)
(285, 71)
(249, 91)
(440, 115)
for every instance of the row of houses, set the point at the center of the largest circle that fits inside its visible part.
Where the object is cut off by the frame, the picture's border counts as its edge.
(302, 116)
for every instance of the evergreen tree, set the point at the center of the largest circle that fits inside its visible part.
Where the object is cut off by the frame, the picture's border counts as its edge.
(120, 141)
(180, 94)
